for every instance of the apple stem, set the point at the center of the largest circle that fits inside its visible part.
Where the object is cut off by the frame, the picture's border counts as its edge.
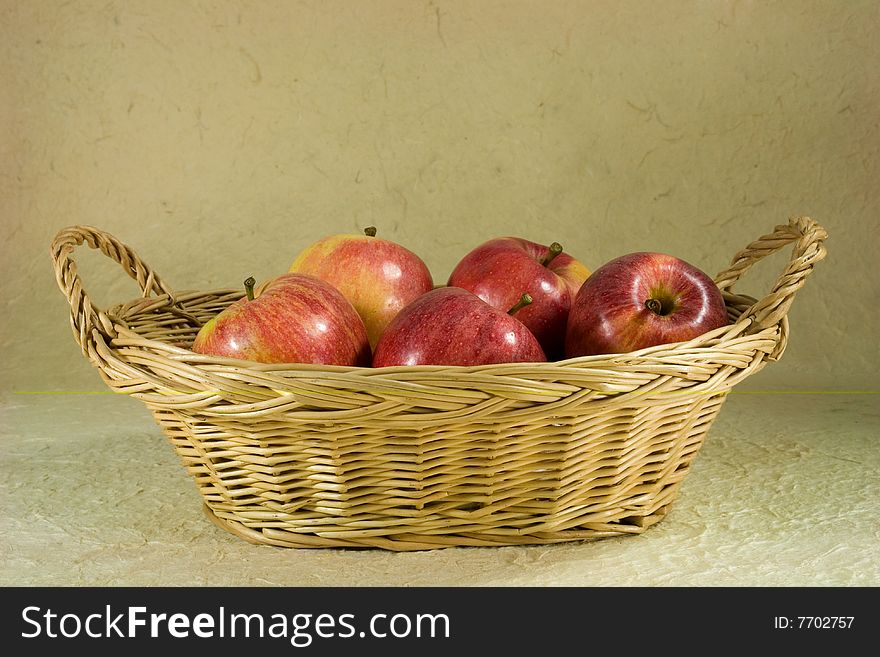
(370, 231)
(554, 250)
(524, 301)
(657, 306)
(249, 283)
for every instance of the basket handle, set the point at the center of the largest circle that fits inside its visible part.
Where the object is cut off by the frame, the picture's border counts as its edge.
(808, 237)
(84, 315)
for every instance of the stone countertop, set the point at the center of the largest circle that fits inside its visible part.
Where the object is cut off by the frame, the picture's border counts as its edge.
(785, 492)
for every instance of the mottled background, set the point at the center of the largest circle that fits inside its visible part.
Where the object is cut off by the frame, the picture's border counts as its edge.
(220, 138)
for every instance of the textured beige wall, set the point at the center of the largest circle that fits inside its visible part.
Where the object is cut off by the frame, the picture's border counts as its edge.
(219, 138)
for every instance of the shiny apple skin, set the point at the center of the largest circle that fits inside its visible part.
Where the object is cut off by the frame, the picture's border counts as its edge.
(452, 326)
(609, 315)
(378, 276)
(293, 318)
(500, 270)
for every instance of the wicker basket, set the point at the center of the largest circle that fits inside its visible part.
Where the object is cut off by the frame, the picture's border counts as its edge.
(415, 458)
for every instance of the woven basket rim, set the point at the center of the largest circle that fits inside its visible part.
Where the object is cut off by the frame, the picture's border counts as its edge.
(108, 335)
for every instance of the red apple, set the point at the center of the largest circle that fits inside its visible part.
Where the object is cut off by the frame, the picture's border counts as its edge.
(640, 300)
(500, 270)
(451, 326)
(378, 276)
(292, 318)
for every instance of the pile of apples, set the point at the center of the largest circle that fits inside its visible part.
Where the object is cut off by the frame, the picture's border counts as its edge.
(365, 301)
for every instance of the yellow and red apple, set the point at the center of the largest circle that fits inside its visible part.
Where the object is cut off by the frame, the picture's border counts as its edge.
(377, 276)
(292, 318)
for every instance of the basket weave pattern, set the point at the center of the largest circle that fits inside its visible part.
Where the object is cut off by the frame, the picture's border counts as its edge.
(413, 458)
